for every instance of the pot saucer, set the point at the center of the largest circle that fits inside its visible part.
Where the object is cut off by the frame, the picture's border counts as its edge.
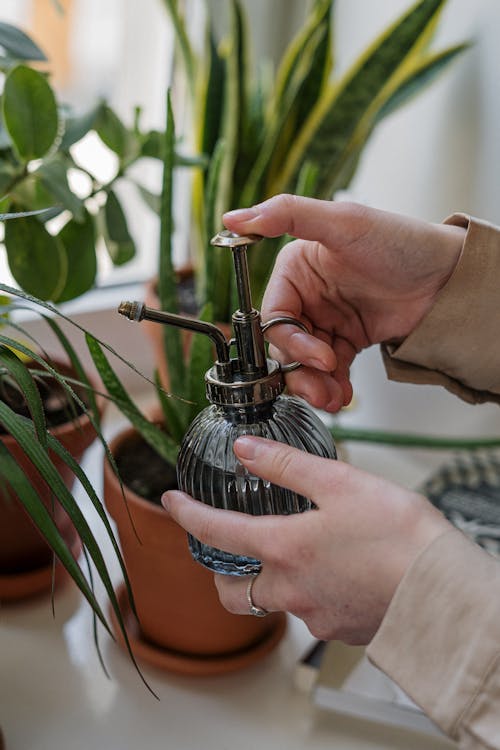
(186, 664)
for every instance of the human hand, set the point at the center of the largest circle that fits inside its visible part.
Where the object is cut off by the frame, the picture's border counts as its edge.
(356, 276)
(336, 567)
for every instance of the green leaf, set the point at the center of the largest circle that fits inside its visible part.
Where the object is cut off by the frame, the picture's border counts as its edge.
(19, 44)
(10, 362)
(423, 72)
(167, 284)
(187, 54)
(119, 243)
(36, 259)
(54, 176)
(231, 116)
(210, 118)
(335, 117)
(78, 240)
(17, 479)
(414, 77)
(114, 134)
(152, 200)
(75, 128)
(201, 358)
(174, 417)
(29, 112)
(152, 434)
(46, 212)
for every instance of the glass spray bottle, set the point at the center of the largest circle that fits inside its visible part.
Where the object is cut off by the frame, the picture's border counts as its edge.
(246, 398)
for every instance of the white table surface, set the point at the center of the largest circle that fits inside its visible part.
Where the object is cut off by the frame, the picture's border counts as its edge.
(54, 694)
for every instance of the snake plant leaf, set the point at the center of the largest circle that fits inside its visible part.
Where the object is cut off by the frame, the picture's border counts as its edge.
(37, 260)
(335, 117)
(119, 242)
(78, 240)
(280, 119)
(187, 53)
(152, 434)
(29, 113)
(321, 63)
(315, 42)
(420, 75)
(214, 277)
(54, 176)
(11, 363)
(18, 44)
(167, 286)
(230, 129)
(201, 359)
(210, 117)
(415, 76)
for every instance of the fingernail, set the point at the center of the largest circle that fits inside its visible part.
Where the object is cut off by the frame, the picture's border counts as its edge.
(165, 500)
(246, 447)
(242, 214)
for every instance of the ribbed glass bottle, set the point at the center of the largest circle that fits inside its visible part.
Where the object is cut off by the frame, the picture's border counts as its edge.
(208, 470)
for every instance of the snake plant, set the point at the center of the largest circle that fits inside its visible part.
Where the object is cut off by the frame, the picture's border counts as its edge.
(301, 130)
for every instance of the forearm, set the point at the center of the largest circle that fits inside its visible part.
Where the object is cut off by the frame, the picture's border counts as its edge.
(457, 344)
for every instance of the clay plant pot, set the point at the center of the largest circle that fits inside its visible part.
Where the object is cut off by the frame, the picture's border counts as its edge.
(182, 625)
(26, 560)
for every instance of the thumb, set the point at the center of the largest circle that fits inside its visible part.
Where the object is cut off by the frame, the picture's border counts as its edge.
(305, 218)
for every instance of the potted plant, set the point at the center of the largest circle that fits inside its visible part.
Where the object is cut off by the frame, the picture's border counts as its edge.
(301, 130)
(345, 112)
(392, 69)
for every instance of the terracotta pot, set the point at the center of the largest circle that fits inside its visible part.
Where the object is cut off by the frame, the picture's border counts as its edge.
(25, 557)
(176, 599)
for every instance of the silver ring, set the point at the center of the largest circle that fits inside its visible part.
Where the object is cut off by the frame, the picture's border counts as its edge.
(254, 610)
(284, 319)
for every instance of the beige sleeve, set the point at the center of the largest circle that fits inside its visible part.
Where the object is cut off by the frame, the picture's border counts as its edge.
(457, 344)
(440, 639)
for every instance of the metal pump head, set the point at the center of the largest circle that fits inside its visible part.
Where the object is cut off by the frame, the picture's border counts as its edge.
(250, 378)
(246, 320)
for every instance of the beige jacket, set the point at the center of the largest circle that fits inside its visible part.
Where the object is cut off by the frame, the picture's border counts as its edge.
(440, 638)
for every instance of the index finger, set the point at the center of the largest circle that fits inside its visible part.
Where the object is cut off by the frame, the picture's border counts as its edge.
(328, 222)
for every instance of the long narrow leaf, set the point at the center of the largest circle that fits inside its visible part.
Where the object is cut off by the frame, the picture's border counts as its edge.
(20, 484)
(167, 286)
(21, 374)
(21, 430)
(335, 117)
(153, 435)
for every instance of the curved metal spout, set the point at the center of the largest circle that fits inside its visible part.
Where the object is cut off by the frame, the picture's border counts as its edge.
(138, 311)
